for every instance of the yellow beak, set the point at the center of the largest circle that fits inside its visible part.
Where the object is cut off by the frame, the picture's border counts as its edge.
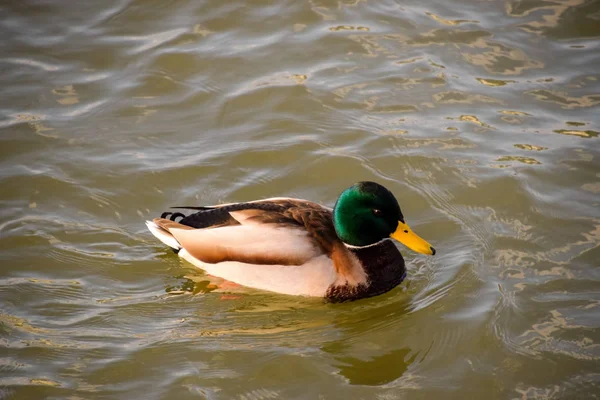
(407, 237)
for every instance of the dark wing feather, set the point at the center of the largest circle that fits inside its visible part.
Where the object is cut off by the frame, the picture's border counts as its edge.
(209, 218)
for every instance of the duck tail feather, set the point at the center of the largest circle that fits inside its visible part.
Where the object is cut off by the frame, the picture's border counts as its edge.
(163, 235)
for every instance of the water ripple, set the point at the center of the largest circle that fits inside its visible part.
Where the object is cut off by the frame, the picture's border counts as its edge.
(480, 117)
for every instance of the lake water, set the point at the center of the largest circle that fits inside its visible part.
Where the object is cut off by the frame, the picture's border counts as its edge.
(483, 117)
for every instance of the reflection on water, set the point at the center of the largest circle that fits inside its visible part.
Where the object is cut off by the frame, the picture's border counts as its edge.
(586, 134)
(482, 118)
(378, 371)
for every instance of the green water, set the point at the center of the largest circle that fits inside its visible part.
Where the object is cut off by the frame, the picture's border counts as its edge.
(481, 117)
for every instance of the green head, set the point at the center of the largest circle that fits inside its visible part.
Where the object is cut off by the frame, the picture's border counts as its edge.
(367, 213)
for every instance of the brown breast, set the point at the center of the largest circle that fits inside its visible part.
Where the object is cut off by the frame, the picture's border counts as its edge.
(385, 270)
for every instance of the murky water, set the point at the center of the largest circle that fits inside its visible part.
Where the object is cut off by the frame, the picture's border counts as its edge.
(482, 118)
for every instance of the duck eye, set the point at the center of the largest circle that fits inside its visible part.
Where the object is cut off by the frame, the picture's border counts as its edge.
(377, 212)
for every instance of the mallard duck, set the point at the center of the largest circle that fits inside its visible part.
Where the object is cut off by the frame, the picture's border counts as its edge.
(298, 247)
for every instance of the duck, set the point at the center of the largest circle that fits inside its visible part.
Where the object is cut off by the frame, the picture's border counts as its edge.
(298, 247)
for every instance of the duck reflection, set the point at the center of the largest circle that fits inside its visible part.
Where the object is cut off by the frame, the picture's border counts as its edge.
(375, 369)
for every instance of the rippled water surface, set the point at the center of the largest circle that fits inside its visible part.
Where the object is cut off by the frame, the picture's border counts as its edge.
(483, 117)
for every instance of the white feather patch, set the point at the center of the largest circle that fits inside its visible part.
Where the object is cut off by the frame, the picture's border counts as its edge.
(311, 279)
(163, 235)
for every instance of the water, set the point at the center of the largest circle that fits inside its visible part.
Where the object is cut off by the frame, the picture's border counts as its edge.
(482, 118)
